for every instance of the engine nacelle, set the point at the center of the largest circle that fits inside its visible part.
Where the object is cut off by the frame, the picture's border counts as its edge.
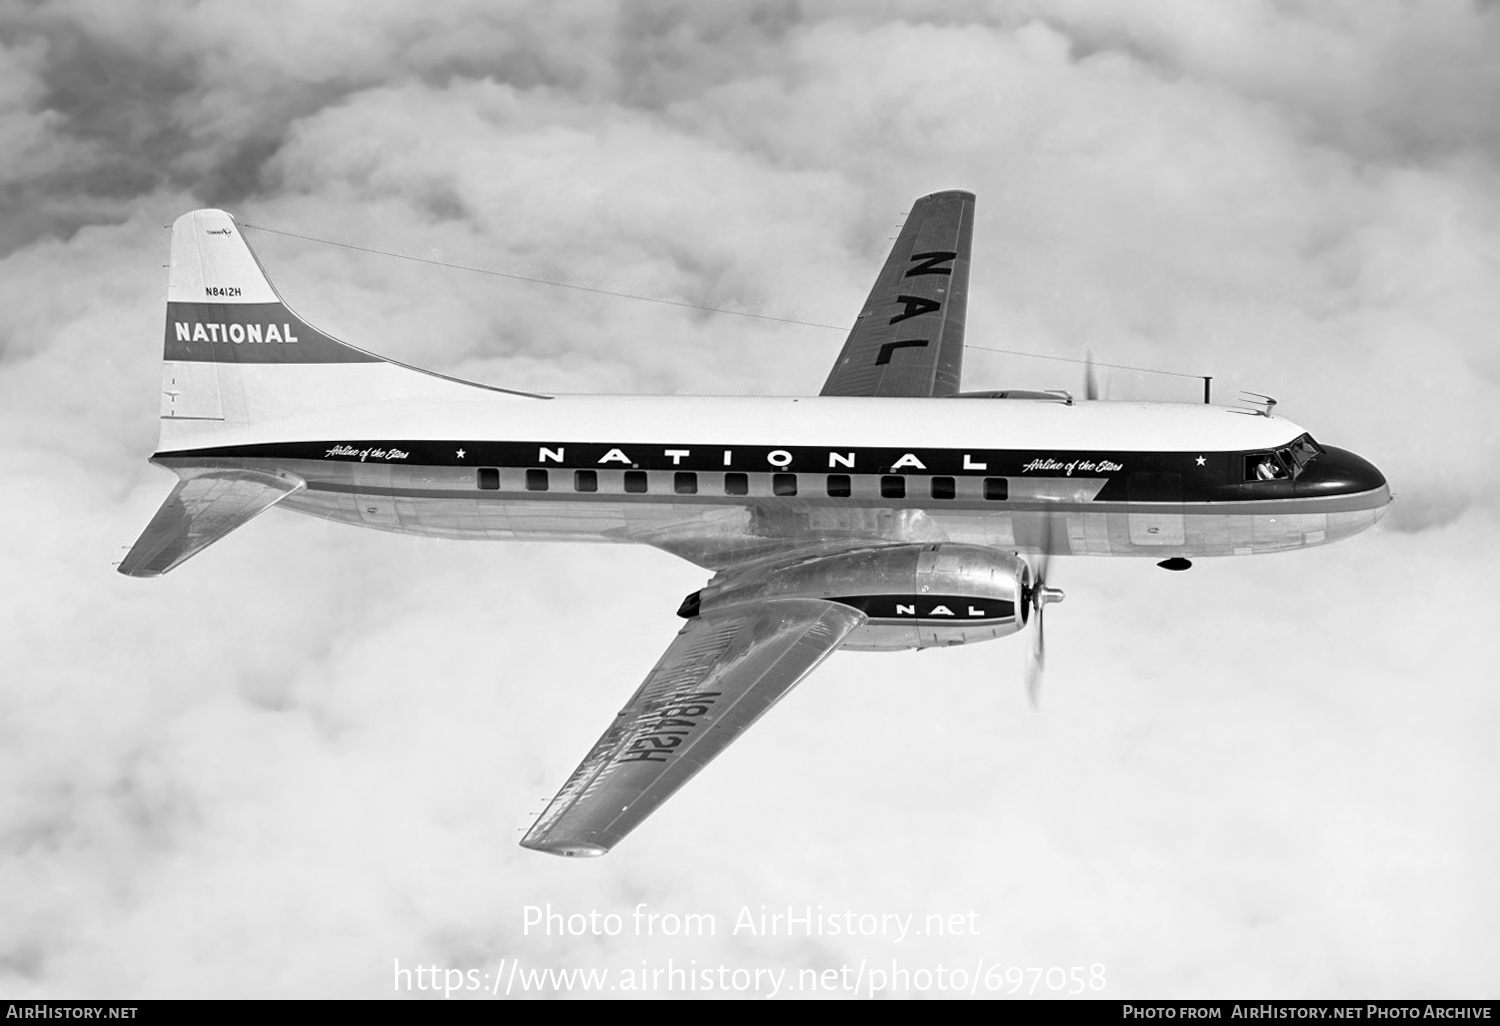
(916, 596)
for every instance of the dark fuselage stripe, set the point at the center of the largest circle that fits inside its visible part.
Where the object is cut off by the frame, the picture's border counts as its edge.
(1135, 477)
(852, 459)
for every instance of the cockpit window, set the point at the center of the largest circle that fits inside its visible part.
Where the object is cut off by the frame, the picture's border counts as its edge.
(1283, 464)
(1265, 466)
(1303, 450)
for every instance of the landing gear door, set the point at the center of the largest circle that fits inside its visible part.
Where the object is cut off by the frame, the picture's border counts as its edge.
(1160, 521)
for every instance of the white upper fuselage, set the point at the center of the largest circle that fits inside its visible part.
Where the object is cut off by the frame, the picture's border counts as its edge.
(457, 412)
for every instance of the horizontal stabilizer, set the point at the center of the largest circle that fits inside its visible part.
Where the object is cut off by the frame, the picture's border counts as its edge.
(206, 505)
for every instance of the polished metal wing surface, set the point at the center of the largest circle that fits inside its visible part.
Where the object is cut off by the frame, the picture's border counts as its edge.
(205, 506)
(909, 338)
(719, 675)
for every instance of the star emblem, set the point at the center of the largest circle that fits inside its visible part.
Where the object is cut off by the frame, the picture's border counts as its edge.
(1201, 460)
(460, 454)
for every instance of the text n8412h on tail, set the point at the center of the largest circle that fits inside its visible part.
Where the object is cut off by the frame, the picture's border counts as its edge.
(873, 516)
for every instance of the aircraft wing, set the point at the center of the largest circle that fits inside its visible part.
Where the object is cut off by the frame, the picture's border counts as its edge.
(909, 338)
(721, 672)
(205, 506)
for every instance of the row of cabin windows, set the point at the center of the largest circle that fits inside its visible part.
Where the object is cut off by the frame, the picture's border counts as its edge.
(839, 486)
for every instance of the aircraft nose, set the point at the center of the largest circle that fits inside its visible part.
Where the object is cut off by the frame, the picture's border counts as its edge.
(1341, 472)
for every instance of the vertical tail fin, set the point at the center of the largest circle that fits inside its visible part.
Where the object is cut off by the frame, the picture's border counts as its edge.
(235, 354)
(226, 323)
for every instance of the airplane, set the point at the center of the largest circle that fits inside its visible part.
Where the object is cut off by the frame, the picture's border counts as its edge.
(891, 511)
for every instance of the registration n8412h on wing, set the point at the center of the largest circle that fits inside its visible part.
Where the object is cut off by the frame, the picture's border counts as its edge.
(891, 511)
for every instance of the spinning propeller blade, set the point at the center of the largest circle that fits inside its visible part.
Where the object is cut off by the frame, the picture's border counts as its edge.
(1036, 664)
(1090, 376)
(1037, 596)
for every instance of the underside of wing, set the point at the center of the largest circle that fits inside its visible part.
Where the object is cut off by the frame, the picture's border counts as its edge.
(205, 506)
(909, 339)
(719, 675)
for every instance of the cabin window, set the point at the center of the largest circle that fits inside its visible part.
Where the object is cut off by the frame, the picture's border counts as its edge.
(942, 488)
(997, 488)
(893, 486)
(585, 480)
(685, 483)
(635, 482)
(536, 480)
(783, 484)
(736, 484)
(838, 486)
(489, 478)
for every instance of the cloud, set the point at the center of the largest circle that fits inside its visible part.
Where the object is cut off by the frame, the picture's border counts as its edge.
(1391, 85)
(305, 754)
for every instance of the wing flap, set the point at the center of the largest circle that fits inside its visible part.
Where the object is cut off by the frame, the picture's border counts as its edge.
(909, 338)
(720, 674)
(205, 506)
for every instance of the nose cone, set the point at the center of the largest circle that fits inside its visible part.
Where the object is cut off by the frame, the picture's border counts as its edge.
(1341, 472)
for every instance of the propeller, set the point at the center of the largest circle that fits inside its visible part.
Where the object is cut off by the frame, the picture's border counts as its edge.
(1037, 597)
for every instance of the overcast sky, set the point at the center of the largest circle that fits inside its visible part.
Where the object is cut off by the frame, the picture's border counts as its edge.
(309, 752)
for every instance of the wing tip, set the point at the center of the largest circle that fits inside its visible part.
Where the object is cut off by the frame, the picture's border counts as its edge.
(566, 849)
(947, 194)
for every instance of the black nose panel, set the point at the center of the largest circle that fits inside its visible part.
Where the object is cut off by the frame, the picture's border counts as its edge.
(1338, 472)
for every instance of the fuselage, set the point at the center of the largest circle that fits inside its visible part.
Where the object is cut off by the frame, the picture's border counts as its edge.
(719, 480)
